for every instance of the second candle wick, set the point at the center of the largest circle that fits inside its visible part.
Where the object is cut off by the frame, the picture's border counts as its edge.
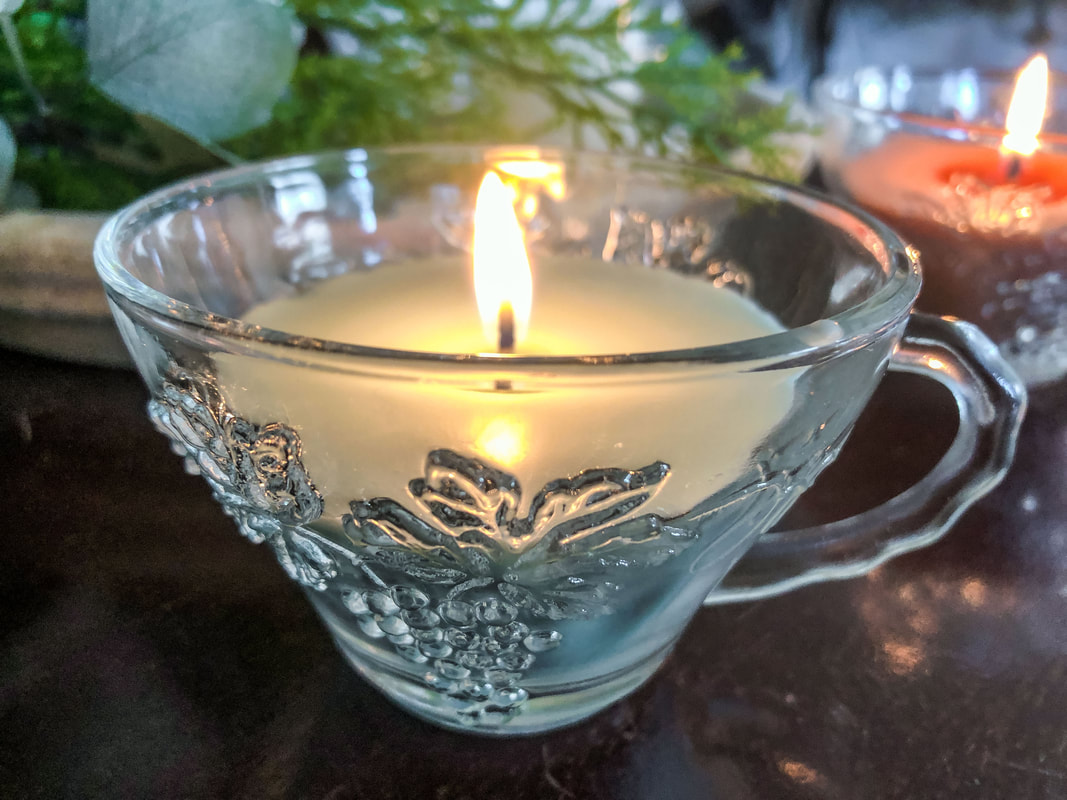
(1014, 167)
(506, 329)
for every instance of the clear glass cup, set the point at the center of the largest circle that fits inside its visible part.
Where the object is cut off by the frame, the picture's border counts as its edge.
(922, 151)
(515, 588)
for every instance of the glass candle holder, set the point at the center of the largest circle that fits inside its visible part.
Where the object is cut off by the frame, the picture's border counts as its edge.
(923, 151)
(507, 542)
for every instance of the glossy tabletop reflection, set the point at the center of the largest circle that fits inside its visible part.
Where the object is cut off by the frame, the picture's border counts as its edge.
(148, 651)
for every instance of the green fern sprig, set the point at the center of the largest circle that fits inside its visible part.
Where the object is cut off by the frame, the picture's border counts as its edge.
(372, 73)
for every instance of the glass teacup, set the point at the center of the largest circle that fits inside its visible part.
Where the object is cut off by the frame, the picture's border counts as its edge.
(506, 543)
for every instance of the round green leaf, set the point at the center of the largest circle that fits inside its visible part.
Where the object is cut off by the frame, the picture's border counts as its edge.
(8, 149)
(211, 68)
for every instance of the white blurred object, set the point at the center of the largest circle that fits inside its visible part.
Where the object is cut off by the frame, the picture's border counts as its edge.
(51, 301)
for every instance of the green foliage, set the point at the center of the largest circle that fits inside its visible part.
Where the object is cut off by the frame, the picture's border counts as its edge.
(8, 150)
(81, 153)
(159, 57)
(374, 73)
(687, 83)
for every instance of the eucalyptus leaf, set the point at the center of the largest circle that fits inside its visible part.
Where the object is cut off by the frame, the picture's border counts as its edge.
(178, 150)
(7, 159)
(213, 69)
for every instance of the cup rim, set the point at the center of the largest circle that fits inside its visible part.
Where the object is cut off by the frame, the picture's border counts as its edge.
(924, 124)
(855, 326)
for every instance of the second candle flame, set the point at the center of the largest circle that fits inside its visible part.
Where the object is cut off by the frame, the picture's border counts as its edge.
(1027, 109)
(502, 281)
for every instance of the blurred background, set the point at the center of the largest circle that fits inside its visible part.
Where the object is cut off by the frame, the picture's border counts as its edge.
(794, 41)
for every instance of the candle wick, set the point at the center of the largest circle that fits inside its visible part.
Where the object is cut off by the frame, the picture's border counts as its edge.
(506, 329)
(1014, 167)
(505, 325)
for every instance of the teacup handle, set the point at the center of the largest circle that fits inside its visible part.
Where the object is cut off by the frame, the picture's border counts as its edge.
(991, 401)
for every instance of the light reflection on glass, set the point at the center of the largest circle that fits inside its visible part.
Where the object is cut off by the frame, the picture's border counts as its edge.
(974, 592)
(873, 91)
(797, 771)
(905, 619)
(901, 657)
(901, 84)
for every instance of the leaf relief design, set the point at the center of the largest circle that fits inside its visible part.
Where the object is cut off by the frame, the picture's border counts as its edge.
(551, 560)
(255, 471)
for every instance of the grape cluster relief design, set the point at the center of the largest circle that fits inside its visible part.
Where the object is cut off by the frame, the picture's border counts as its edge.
(461, 581)
(470, 587)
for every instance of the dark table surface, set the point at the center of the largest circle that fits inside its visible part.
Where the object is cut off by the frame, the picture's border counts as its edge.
(146, 650)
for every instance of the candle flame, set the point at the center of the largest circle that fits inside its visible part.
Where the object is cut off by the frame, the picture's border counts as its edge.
(1027, 109)
(501, 267)
(547, 174)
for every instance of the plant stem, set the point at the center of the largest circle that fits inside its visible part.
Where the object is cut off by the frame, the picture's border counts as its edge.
(220, 152)
(11, 36)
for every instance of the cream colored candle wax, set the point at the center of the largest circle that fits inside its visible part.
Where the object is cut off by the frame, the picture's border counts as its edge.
(367, 431)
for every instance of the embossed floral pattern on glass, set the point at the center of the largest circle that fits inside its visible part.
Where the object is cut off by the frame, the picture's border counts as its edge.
(465, 585)
(254, 471)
